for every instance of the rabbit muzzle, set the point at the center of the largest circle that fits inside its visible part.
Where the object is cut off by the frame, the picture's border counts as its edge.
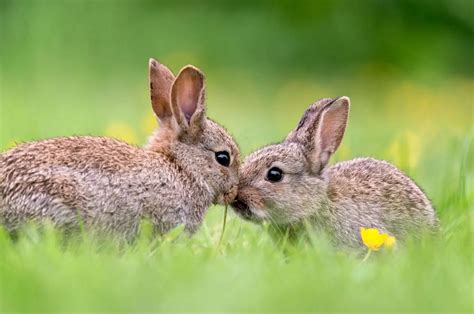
(247, 207)
(242, 209)
(228, 197)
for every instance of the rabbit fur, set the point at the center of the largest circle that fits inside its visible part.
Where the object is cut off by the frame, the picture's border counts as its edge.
(112, 185)
(338, 199)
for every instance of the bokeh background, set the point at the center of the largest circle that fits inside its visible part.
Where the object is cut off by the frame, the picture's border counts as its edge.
(80, 67)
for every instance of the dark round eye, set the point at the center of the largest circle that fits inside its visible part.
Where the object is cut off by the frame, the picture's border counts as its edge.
(274, 174)
(223, 158)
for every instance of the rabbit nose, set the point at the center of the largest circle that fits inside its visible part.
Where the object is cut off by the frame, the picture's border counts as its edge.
(227, 197)
(230, 195)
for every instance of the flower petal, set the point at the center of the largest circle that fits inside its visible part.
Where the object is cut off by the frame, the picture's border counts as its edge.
(372, 238)
(390, 242)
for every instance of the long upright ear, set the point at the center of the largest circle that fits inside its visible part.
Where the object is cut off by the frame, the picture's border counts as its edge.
(321, 129)
(188, 99)
(161, 80)
(331, 129)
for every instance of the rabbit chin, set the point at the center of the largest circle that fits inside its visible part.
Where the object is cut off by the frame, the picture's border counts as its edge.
(259, 215)
(255, 215)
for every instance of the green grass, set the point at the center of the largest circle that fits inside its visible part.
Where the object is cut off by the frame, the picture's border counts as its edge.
(80, 68)
(250, 271)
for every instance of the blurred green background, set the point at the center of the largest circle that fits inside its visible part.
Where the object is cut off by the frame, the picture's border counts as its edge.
(80, 67)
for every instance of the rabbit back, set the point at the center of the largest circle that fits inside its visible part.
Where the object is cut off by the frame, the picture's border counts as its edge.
(97, 181)
(366, 192)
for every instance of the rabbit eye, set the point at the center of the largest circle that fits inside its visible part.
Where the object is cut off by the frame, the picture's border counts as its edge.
(223, 158)
(274, 174)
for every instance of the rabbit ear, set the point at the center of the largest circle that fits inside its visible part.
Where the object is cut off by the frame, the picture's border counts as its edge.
(321, 130)
(187, 98)
(331, 129)
(161, 80)
(305, 131)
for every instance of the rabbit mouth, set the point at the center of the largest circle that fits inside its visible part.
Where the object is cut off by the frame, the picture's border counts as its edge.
(243, 210)
(227, 197)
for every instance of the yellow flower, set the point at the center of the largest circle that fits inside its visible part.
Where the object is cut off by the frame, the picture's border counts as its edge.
(390, 242)
(372, 238)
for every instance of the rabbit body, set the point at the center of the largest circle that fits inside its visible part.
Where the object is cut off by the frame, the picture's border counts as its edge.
(101, 181)
(366, 192)
(111, 185)
(289, 183)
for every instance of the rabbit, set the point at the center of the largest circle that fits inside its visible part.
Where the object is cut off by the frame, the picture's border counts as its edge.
(189, 163)
(290, 184)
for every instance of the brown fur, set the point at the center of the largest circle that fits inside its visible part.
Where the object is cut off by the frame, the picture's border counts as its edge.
(113, 185)
(340, 199)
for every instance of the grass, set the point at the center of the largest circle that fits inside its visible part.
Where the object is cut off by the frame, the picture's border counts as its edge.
(80, 68)
(251, 272)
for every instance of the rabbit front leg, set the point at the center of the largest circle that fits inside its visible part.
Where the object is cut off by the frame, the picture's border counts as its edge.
(194, 219)
(164, 222)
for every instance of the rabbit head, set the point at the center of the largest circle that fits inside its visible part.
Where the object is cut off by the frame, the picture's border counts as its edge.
(282, 183)
(195, 143)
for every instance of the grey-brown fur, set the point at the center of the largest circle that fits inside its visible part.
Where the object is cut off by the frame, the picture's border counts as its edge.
(113, 185)
(339, 199)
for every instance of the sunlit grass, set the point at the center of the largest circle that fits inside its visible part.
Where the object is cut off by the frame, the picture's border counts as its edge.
(80, 68)
(250, 270)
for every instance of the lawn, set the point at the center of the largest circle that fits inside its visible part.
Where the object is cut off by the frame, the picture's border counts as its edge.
(88, 75)
(249, 271)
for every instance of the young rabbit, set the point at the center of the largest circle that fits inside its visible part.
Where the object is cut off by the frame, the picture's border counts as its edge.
(289, 183)
(189, 163)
